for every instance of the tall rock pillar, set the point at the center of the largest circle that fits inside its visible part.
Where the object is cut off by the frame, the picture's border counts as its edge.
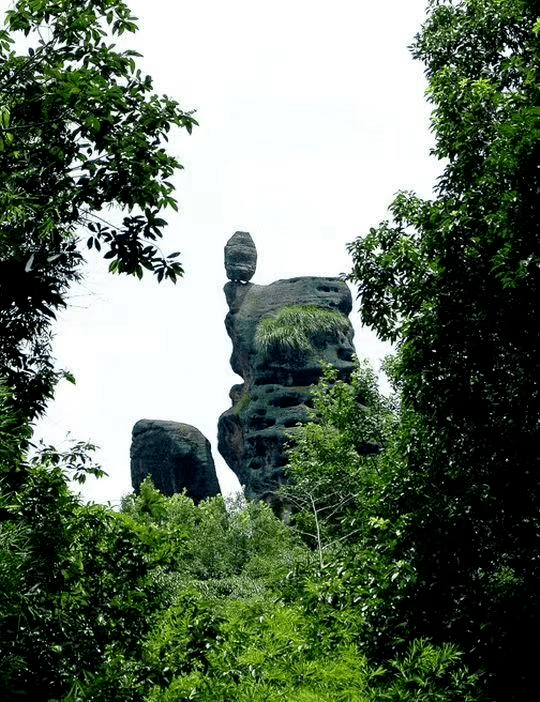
(276, 377)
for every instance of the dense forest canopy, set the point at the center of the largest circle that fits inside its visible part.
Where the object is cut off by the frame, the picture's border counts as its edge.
(408, 566)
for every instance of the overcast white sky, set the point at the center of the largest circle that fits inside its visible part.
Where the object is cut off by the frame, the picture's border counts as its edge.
(312, 115)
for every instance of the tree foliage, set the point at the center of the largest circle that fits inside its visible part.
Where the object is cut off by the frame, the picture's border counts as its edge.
(169, 600)
(455, 280)
(81, 131)
(74, 586)
(333, 465)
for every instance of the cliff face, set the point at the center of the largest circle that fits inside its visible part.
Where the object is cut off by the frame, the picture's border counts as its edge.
(277, 377)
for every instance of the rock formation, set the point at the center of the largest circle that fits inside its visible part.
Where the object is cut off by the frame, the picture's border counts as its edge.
(277, 377)
(240, 257)
(280, 334)
(176, 456)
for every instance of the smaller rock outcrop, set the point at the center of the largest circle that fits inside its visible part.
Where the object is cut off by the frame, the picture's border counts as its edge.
(176, 456)
(240, 257)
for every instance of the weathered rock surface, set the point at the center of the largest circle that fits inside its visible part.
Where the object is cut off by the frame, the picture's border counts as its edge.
(240, 257)
(275, 391)
(176, 456)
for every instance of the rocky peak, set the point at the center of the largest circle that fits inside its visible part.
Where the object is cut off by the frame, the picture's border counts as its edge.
(278, 367)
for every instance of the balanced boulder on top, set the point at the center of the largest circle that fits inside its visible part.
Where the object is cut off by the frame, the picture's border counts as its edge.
(240, 257)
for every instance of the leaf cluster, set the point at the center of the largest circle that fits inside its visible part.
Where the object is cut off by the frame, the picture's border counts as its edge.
(81, 131)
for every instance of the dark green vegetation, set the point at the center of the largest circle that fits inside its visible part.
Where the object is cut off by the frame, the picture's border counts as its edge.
(409, 569)
(456, 281)
(80, 130)
(168, 600)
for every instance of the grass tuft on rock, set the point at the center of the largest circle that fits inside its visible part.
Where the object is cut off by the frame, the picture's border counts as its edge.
(298, 327)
